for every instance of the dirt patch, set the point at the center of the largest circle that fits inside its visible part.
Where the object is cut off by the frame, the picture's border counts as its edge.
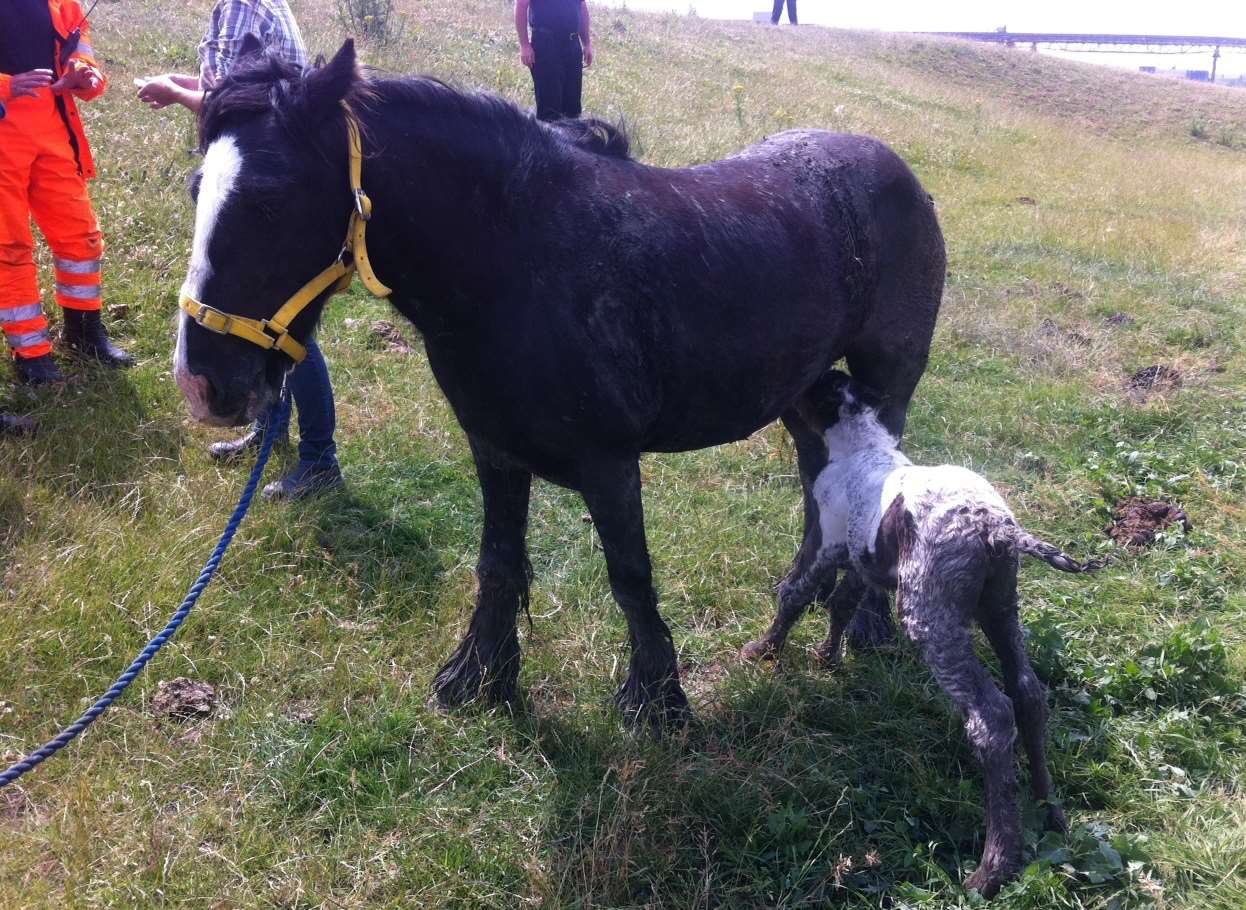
(184, 699)
(1136, 521)
(1152, 380)
(1050, 329)
(15, 804)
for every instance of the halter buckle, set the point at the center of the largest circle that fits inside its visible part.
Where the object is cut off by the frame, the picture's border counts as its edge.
(363, 205)
(220, 328)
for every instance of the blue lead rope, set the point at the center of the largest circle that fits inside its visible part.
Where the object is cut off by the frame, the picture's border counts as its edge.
(275, 418)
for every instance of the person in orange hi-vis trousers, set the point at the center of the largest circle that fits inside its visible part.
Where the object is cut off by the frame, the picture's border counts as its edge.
(44, 165)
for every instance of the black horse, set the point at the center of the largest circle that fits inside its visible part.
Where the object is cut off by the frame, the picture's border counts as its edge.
(577, 307)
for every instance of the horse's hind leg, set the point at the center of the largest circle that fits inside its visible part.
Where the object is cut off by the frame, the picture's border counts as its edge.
(651, 694)
(486, 663)
(997, 612)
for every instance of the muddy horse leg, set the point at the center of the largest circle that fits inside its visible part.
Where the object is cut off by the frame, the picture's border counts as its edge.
(804, 583)
(998, 614)
(486, 663)
(651, 694)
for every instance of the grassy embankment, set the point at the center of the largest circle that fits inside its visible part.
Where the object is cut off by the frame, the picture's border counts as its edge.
(327, 781)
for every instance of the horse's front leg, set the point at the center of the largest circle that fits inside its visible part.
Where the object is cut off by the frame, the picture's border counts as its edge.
(486, 663)
(651, 694)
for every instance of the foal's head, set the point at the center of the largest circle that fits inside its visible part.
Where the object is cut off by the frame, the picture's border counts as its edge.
(272, 204)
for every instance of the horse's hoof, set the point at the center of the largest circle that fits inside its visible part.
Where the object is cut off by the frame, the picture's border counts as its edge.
(762, 649)
(655, 708)
(468, 677)
(828, 655)
(871, 625)
(1055, 820)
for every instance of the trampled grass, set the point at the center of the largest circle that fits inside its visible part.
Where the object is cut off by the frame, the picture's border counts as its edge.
(1068, 195)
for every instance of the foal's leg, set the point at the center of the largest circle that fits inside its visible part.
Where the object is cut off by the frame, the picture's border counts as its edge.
(796, 592)
(804, 583)
(938, 608)
(840, 610)
(651, 693)
(486, 663)
(998, 614)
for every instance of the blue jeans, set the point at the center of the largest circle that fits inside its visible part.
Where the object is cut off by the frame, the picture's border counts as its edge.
(313, 398)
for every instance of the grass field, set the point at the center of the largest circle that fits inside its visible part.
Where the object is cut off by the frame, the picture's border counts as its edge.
(1067, 195)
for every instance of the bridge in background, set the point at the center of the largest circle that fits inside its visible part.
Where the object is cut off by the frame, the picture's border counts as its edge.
(1153, 44)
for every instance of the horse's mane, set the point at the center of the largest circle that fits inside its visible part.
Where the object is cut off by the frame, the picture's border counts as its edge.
(262, 82)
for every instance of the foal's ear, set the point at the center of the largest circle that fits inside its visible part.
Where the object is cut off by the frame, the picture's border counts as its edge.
(325, 86)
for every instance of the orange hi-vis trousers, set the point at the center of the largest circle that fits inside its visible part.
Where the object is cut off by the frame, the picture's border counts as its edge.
(39, 177)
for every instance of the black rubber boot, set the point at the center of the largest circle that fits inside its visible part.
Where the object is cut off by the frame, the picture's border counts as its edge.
(12, 425)
(85, 334)
(41, 370)
(305, 480)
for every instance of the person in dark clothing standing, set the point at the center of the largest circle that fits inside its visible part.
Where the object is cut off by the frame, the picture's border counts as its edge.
(560, 46)
(778, 10)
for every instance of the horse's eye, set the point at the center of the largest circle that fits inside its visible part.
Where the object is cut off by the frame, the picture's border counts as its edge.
(192, 184)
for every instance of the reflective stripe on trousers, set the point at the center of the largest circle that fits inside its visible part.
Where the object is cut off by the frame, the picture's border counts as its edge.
(26, 329)
(77, 283)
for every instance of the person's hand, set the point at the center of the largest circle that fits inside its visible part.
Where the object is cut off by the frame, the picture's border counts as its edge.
(527, 55)
(77, 79)
(158, 91)
(588, 55)
(26, 85)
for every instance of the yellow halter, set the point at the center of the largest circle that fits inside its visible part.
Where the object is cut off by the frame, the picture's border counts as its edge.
(274, 332)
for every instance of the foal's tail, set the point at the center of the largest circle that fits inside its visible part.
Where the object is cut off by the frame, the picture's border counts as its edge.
(1025, 542)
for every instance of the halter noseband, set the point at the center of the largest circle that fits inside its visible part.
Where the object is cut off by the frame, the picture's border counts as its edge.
(274, 332)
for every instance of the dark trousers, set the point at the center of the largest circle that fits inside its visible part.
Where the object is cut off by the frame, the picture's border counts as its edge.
(313, 400)
(778, 9)
(557, 73)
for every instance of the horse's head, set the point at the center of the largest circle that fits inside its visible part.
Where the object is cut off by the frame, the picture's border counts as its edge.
(272, 204)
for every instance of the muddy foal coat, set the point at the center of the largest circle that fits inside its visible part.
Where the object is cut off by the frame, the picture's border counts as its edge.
(577, 307)
(946, 541)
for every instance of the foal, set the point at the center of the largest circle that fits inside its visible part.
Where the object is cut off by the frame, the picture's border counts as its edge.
(947, 542)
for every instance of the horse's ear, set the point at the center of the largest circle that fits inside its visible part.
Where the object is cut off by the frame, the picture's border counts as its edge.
(251, 46)
(325, 86)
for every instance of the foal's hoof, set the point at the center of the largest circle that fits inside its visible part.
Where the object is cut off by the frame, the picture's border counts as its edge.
(762, 649)
(987, 879)
(469, 676)
(655, 707)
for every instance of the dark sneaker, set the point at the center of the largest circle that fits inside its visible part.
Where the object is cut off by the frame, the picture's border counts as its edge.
(41, 370)
(305, 480)
(12, 425)
(86, 335)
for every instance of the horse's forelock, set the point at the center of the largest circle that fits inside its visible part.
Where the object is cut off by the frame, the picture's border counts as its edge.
(302, 99)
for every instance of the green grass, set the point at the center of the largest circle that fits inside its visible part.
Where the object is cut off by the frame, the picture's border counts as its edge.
(327, 781)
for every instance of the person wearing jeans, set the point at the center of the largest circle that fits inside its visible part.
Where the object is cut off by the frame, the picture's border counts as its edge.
(778, 11)
(272, 23)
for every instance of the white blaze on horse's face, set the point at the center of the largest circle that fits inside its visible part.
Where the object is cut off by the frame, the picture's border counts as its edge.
(221, 165)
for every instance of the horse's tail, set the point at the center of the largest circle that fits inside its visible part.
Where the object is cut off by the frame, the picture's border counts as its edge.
(1023, 541)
